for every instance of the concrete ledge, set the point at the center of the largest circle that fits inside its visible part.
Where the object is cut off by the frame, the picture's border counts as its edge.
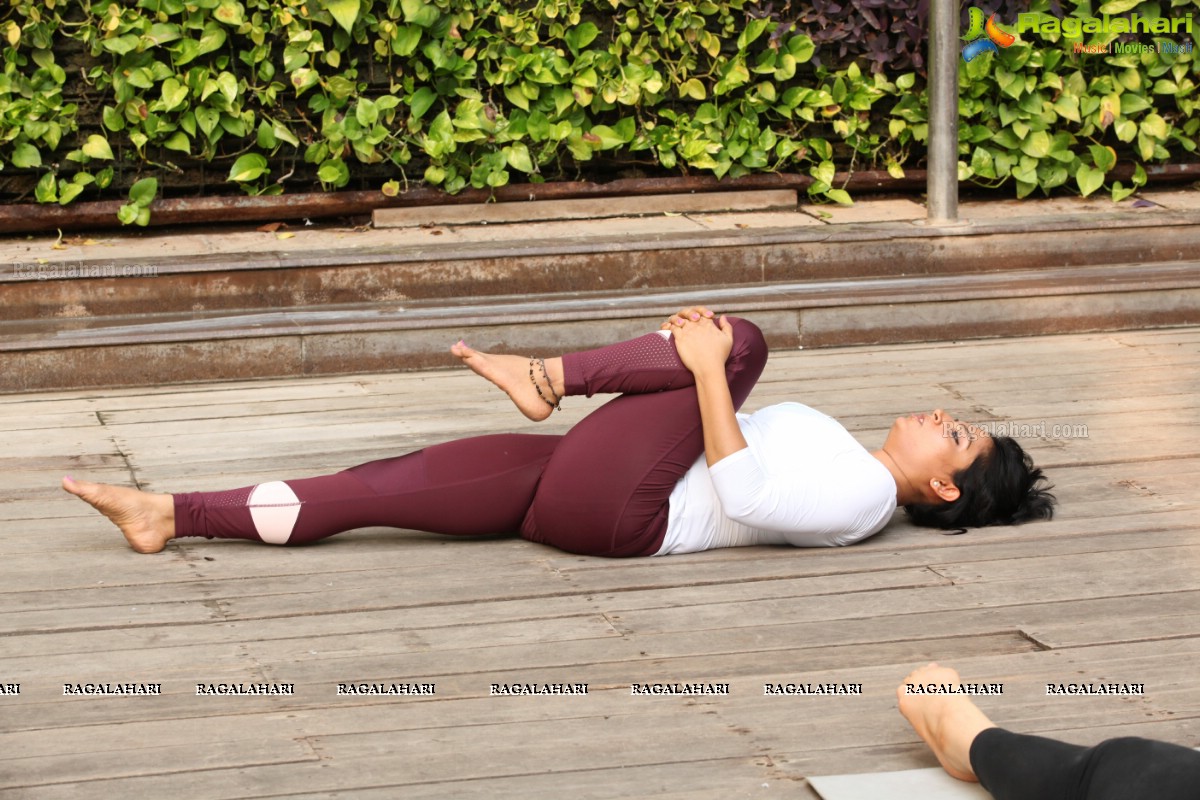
(585, 208)
(366, 338)
(599, 263)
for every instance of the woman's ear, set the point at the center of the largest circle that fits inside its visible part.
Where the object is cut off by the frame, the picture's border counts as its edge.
(946, 490)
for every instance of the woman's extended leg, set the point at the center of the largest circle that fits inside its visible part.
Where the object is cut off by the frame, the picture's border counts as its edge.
(606, 489)
(481, 485)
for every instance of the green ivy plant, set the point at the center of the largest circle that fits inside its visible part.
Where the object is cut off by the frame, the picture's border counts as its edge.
(478, 93)
(1042, 116)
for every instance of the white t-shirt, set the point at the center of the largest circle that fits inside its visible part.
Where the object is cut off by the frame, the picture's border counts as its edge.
(802, 480)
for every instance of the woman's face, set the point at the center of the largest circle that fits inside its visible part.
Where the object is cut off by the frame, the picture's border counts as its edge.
(932, 447)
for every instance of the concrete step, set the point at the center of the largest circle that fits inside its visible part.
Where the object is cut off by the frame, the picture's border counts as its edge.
(651, 254)
(368, 337)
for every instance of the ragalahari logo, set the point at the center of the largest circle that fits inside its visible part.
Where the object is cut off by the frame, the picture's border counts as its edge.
(983, 37)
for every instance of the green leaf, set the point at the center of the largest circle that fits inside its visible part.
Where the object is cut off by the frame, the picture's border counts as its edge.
(518, 157)
(1103, 157)
(839, 196)
(248, 167)
(1037, 144)
(265, 136)
(304, 79)
(580, 36)
(121, 44)
(1154, 125)
(113, 120)
(228, 86)
(693, 88)
(128, 213)
(211, 40)
(752, 30)
(334, 171)
(161, 33)
(230, 12)
(824, 172)
(207, 118)
(1089, 179)
(68, 192)
(97, 147)
(173, 95)
(46, 190)
(366, 113)
(419, 12)
(802, 49)
(178, 141)
(1133, 103)
(516, 97)
(607, 138)
(434, 175)
(1067, 107)
(421, 101)
(142, 193)
(25, 156)
(344, 11)
(283, 134)
(1120, 192)
(405, 40)
(1119, 6)
(341, 88)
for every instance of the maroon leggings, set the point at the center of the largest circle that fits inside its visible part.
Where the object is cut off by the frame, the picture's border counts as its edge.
(601, 489)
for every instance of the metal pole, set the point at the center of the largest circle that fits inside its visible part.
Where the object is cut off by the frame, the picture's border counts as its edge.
(942, 182)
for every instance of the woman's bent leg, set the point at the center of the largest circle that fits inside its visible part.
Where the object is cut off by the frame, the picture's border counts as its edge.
(606, 489)
(482, 485)
(1013, 766)
(1021, 767)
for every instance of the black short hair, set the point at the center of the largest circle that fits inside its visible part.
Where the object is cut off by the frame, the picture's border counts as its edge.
(1002, 487)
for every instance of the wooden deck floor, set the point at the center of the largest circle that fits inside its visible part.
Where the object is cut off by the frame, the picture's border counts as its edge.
(1107, 592)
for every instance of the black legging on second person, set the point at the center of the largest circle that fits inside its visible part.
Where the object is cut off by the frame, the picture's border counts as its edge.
(1015, 766)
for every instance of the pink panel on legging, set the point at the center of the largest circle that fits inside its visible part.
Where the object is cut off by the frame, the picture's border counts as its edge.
(274, 508)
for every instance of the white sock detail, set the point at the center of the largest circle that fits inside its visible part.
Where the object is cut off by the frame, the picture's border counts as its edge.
(274, 508)
(662, 333)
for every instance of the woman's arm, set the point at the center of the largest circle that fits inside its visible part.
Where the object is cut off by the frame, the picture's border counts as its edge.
(704, 345)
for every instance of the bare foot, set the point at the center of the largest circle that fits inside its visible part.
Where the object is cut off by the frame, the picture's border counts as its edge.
(147, 520)
(511, 375)
(948, 723)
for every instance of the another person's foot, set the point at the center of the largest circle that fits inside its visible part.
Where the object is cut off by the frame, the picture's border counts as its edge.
(147, 520)
(511, 375)
(948, 723)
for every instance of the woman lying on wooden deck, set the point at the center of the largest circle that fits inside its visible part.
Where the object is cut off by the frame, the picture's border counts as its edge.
(668, 466)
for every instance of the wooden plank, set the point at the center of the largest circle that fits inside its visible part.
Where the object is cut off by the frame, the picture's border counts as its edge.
(1102, 593)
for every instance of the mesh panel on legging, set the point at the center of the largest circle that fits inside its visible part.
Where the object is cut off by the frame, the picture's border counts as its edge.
(646, 364)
